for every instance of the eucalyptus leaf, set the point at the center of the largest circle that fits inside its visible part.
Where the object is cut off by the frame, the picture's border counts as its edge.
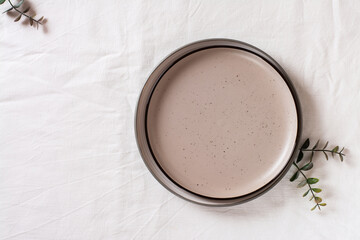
(19, 3)
(18, 18)
(311, 156)
(300, 157)
(312, 180)
(335, 149)
(307, 166)
(341, 157)
(317, 190)
(8, 10)
(326, 156)
(306, 193)
(305, 144)
(318, 199)
(26, 10)
(322, 204)
(313, 208)
(327, 142)
(342, 150)
(2, 1)
(301, 184)
(311, 198)
(40, 19)
(316, 144)
(31, 21)
(295, 176)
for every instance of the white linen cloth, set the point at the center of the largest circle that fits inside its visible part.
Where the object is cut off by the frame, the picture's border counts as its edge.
(69, 164)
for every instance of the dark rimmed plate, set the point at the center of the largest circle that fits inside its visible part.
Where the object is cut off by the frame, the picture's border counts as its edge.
(156, 163)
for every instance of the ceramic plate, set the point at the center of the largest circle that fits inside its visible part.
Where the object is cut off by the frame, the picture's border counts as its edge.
(217, 122)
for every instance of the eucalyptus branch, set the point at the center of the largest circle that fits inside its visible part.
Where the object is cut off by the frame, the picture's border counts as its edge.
(309, 165)
(334, 151)
(309, 181)
(15, 7)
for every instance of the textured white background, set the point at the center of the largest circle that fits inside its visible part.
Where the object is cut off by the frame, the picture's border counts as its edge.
(69, 165)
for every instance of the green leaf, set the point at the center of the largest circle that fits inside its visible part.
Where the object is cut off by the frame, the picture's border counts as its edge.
(19, 3)
(322, 204)
(307, 166)
(334, 150)
(318, 199)
(295, 176)
(312, 180)
(311, 198)
(342, 150)
(326, 156)
(341, 157)
(305, 144)
(317, 190)
(2, 1)
(311, 156)
(26, 10)
(8, 10)
(306, 193)
(325, 145)
(316, 144)
(313, 208)
(18, 18)
(300, 156)
(301, 184)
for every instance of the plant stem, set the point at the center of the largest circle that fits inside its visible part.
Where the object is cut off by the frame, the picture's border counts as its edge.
(33, 19)
(312, 192)
(320, 150)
